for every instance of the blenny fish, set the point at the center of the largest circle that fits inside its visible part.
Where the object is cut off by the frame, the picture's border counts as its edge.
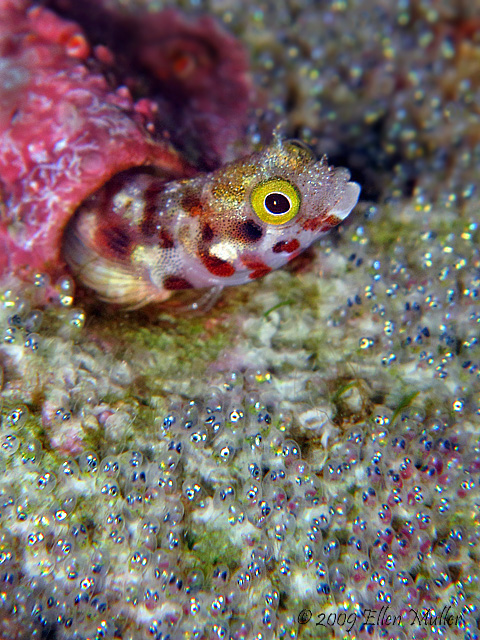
(139, 238)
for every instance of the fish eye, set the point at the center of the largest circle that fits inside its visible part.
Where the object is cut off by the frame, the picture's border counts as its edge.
(275, 201)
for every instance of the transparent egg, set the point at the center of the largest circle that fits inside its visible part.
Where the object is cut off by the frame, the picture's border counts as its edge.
(214, 400)
(233, 380)
(240, 629)
(16, 417)
(139, 560)
(62, 415)
(109, 467)
(220, 575)
(99, 604)
(31, 453)
(338, 577)
(168, 461)
(64, 507)
(271, 597)
(148, 531)
(33, 321)
(190, 417)
(331, 549)
(75, 319)
(256, 568)
(45, 482)
(12, 302)
(254, 470)
(88, 462)
(32, 342)
(131, 460)
(109, 490)
(79, 533)
(281, 526)
(174, 512)
(194, 581)
(136, 478)
(36, 542)
(62, 548)
(290, 452)
(223, 496)
(134, 500)
(199, 436)
(69, 470)
(11, 335)
(225, 451)
(194, 493)
(214, 424)
(242, 580)
(172, 539)
(65, 288)
(218, 631)
(41, 280)
(15, 320)
(439, 573)
(235, 514)
(285, 570)
(251, 492)
(9, 444)
(217, 605)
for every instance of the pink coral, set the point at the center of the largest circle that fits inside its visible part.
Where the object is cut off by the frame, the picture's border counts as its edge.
(208, 89)
(64, 131)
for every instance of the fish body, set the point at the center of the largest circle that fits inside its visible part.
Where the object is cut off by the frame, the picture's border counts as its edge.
(140, 238)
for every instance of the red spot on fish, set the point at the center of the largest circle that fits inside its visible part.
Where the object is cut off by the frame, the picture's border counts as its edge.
(150, 209)
(257, 267)
(321, 223)
(207, 233)
(192, 204)
(175, 283)
(116, 240)
(165, 240)
(287, 246)
(218, 267)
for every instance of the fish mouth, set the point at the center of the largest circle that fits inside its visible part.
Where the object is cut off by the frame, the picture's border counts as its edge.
(346, 203)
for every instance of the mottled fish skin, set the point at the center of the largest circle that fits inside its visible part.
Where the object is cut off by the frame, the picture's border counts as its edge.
(140, 238)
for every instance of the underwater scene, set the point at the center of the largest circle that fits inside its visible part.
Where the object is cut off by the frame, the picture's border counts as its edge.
(239, 320)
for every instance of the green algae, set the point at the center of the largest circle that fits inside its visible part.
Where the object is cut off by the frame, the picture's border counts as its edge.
(279, 305)
(405, 402)
(210, 547)
(181, 347)
(176, 346)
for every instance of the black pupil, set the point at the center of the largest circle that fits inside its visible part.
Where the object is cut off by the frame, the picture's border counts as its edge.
(277, 203)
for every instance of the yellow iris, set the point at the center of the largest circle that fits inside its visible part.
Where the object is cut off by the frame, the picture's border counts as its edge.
(275, 201)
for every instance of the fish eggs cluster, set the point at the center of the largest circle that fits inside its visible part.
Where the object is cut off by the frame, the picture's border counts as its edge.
(228, 527)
